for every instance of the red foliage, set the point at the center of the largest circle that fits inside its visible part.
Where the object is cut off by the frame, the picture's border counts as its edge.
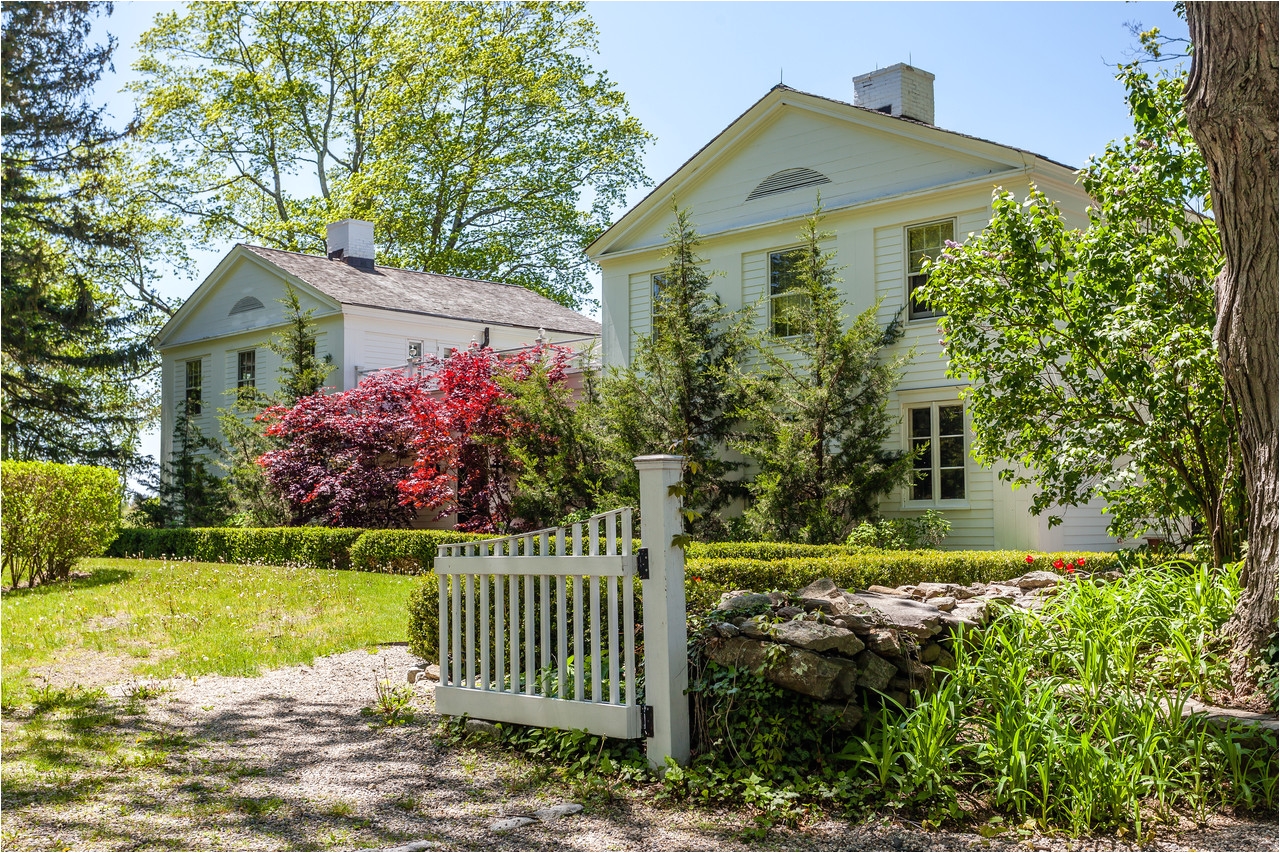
(375, 455)
(346, 453)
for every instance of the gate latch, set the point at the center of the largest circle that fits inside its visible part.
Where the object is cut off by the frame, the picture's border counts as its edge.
(646, 719)
(642, 564)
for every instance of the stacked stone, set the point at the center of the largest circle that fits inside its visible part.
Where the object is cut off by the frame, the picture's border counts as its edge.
(836, 645)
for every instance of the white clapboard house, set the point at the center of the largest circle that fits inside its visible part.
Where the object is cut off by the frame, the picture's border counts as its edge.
(895, 188)
(367, 318)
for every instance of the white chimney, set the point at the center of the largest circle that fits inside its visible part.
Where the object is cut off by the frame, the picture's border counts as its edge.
(351, 240)
(899, 90)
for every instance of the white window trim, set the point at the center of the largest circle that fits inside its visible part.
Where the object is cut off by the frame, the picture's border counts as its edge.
(906, 266)
(933, 401)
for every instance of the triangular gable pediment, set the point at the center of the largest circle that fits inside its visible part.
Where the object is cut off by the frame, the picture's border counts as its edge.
(858, 155)
(241, 295)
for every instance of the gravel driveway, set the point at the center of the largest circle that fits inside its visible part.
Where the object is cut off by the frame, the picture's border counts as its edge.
(286, 761)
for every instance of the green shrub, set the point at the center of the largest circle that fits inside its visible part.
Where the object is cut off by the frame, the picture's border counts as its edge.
(404, 552)
(902, 534)
(54, 515)
(313, 547)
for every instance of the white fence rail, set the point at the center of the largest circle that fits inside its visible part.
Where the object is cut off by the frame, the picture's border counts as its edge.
(541, 628)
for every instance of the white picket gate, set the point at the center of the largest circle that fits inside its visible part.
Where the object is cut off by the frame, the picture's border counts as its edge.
(540, 628)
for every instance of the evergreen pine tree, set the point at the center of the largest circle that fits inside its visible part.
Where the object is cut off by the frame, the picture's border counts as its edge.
(817, 409)
(253, 499)
(679, 395)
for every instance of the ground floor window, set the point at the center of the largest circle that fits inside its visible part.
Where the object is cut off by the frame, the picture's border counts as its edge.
(937, 431)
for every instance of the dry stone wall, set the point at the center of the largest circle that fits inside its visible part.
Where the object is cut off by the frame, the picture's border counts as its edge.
(841, 646)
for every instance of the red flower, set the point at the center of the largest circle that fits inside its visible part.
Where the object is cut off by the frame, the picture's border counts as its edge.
(697, 579)
(1058, 564)
(1071, 570)
(1030, 559)
(1080, 562)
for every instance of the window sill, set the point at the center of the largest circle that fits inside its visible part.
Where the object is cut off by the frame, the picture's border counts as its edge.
(922, 505)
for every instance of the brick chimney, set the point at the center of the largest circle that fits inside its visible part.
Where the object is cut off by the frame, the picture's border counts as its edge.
(899, 90)
(351, 240)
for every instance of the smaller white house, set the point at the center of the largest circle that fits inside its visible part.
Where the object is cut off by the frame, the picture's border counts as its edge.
(366, 318)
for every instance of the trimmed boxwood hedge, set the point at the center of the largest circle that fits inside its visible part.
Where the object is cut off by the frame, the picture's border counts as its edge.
(316, 547)
(390, 551)
(706, 578)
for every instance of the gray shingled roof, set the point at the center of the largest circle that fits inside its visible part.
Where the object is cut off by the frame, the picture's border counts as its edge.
(430, 294)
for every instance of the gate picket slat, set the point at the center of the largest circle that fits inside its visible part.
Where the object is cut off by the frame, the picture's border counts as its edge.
(595, 639)
(613, 639)
(484, 631)
(530, 662)
(470, 655)
(513, 588)
(457, 630)
(500, 640)
(444, 625)
(629, 638)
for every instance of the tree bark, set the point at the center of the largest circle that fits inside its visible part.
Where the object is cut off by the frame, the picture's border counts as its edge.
(1231, 101)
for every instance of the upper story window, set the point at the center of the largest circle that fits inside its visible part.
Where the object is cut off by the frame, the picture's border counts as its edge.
(194, 386)
(784, 300)
(924, 241)
(247, 369)
(657, 282)
(939, 470)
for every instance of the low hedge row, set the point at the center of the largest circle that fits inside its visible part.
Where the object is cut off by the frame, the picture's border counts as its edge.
(708, 575)
(389, 551)
(706, 578)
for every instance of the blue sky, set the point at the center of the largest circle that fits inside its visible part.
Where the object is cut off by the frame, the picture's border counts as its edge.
(1039, 76)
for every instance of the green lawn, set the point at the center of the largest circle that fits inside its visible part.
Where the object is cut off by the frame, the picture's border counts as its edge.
(164, 618)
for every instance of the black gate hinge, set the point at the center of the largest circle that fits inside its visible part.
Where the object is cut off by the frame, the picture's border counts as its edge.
(642, 564)
(646, 720)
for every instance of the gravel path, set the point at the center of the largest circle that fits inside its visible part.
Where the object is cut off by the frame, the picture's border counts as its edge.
(286, 761)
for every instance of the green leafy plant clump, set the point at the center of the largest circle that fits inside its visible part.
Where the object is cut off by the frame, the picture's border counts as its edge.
(54, 515)
(1067, 719)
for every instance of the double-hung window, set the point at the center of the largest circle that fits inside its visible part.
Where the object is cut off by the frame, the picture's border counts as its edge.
(657, 284)
(785, 300)
(937, 434)
(924, 241)
(247, 369)
(194, 386)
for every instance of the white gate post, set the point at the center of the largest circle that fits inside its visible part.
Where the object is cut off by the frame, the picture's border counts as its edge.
(666, 660)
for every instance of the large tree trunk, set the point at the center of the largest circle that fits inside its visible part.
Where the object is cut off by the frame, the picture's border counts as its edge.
(1231, 101)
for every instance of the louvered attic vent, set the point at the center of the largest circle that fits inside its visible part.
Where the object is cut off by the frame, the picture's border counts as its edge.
(788, 179)
(249, 303)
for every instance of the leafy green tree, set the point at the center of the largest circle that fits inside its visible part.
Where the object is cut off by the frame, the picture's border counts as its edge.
(680, 393)
(476, 136)
(561, 449)
(76, 318)
(816, 401)
(254, 500)
(1091, 352)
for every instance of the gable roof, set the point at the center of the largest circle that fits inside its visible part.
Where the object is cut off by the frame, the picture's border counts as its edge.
(781, 96)
(429, 294)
